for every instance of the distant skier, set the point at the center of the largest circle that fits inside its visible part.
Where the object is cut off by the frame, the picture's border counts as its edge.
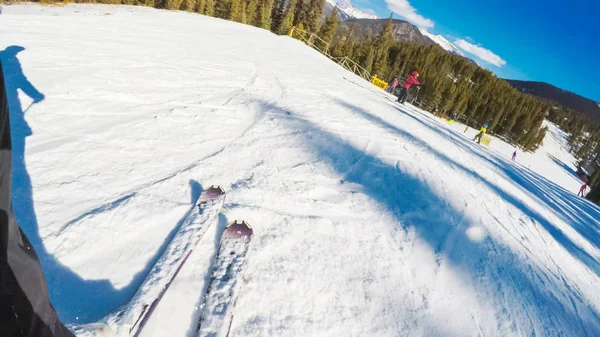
(410, 81)
(394, 85)
(582, 190)
(583, 187)
(514, 156)
(482, 132)
(452, 119)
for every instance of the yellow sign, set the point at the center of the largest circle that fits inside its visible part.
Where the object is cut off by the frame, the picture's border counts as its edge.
(485, 140)
(379, 83)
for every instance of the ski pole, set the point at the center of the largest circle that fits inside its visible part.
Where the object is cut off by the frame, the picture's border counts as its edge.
(416, 96)
(29, 106)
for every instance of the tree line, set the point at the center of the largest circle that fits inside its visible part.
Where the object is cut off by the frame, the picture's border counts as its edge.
(451, 85)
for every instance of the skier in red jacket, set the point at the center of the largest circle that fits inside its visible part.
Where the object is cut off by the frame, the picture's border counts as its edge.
(410, 80)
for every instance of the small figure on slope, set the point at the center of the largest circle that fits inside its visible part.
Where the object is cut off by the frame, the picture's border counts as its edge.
(394, 85)
(410, 80)
(582, 190)
(482, 132)
(514, 155)
(583, 187)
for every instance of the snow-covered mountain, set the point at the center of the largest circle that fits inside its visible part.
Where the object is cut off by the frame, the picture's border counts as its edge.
(347, 11)
(403, 31)
(439, 39)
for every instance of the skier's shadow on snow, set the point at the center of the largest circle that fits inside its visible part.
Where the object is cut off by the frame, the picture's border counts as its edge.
(67, 290)
(76, 300)
(415, 205)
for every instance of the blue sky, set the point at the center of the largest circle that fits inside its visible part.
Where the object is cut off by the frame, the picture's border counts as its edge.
(553, 41)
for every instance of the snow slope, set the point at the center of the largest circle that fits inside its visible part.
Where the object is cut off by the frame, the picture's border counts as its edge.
(553, 160)
(439, 39)
(370, 218)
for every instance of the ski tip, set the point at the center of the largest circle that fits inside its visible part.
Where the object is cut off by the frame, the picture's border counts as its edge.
(213, 191)
(238, 228)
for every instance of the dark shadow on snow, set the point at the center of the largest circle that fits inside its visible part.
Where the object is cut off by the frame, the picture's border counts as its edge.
(582, 215)
(196, 191)
(570, 169)
(103, 208)
(76, 300)
(443, 227)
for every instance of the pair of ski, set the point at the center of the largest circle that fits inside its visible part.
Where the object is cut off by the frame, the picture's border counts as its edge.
(218, 304)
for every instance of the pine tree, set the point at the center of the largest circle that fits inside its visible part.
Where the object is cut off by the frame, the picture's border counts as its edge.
(243, 11)
(369, 58)
(339, 46)
(386, 35)
(251, 12)
(380, 65)
(265, 8)
(288, 18)
(200, 5)
(435, 90)
(188, 5)
(223, 9)
(585, 150)
(594, 194)
(235, 13)
(383, 42)
(344, 45)
(448, 98)
(173, 4)
(156, 3)
(209, 8)
(330, 27)
(314, 12)
(595, 178)
(277, 15)
(461, 99)
(299, 11)
(350, 45)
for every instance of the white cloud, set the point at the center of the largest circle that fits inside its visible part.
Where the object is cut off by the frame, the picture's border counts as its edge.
(404, 9)
(481, 53)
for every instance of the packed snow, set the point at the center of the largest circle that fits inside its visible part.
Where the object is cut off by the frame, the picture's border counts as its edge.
(370, 218)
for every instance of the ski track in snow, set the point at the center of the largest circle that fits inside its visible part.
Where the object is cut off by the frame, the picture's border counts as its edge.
(370, 218)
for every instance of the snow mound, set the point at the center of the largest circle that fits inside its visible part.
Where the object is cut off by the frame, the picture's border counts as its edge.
(369, 217)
